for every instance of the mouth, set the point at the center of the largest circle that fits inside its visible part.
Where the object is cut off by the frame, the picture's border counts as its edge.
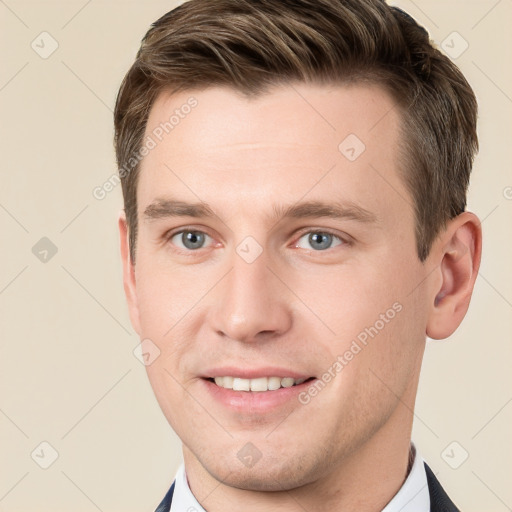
(258, 395)
(257, 385)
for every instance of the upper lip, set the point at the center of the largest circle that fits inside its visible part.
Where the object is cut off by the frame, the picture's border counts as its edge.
(253, 373)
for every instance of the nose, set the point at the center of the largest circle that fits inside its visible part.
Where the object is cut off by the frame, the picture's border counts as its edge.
(251, 303)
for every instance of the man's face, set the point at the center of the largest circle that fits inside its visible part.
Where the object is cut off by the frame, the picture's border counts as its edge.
(249, 289)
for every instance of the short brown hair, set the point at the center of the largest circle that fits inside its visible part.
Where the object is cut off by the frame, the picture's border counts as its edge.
(252, 45)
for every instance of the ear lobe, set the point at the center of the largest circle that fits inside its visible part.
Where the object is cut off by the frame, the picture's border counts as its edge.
(129, 282)
(460, 257)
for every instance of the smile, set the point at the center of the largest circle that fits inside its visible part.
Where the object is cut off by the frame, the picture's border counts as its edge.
(258, 384)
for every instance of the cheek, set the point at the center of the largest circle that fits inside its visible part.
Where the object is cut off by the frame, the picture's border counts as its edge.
(378, 324)
(163, 305)
(349, 298)
(164, 295)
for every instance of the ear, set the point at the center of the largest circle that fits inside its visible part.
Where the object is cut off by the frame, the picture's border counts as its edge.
(128, 273)
(458, 251)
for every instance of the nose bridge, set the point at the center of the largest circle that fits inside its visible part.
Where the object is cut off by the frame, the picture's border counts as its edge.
(250, 300)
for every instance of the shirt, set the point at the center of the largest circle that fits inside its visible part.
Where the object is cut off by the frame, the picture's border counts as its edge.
(413, 496)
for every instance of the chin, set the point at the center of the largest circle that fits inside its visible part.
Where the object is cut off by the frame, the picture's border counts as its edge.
(270, 473)
(264, 480)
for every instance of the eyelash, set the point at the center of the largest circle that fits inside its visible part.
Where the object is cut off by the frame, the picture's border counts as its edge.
(189, 252)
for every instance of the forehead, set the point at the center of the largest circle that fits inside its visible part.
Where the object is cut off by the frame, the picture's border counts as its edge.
(215, 144)
(288, 114)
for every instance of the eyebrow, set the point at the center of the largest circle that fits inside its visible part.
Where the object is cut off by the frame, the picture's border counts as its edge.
(164, 208)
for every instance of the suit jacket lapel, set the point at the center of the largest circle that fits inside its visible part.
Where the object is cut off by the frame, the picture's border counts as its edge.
(165, 505)
(439, 500)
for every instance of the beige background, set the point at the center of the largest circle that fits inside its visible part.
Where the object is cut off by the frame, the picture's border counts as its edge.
(68, 375)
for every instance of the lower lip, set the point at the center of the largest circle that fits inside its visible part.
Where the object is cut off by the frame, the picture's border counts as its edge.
(256, 401)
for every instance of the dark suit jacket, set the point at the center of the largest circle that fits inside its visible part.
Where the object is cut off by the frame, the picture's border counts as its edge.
(439, 501)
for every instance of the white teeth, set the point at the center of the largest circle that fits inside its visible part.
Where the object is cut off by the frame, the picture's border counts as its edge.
(274, 383)
(241, 384)
(287, 382)
(258, 384)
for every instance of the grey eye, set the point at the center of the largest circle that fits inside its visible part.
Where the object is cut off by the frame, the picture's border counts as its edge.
(319, 240)
(189, 239)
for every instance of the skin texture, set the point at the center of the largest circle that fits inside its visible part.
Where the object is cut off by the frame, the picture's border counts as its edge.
(295, 306)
